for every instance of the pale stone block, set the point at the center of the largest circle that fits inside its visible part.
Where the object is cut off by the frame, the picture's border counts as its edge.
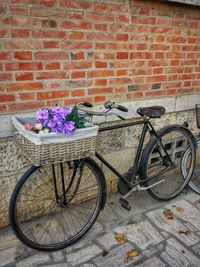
(34, 260)
(142, 234)
(152, 262)
(179, 256)
(83, 255)
(107, 240)
(117, 257)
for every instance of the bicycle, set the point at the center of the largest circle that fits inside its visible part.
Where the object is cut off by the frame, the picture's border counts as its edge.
(194, 183)
(52, 207)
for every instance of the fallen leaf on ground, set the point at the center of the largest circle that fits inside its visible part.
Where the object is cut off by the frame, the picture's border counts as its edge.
(131, 254)
(186, 232)
(180, 209)
(104, 253)
(121, 238)
(168, 214)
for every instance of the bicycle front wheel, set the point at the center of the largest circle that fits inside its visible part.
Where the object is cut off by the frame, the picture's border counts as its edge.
(162, 162)
(195, 180)
(50, 213)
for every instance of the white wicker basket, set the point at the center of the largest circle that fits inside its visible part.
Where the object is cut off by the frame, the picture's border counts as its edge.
(49, 148)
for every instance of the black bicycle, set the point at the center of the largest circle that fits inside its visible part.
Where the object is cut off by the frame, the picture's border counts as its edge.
(53, 206)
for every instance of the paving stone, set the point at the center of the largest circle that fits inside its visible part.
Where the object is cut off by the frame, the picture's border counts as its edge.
(34, 260)
(87, 265)
(7, 256)
(177, 255)
(64, 264)
(58, 256)
(8, 240)
(117, 257)
(150, 251)
(172, 226)
(192, 197)
(196, 248)
(164, 234)
(107, 240)
(83, 255)
(190, 213)
(152, 262)
(142, 234)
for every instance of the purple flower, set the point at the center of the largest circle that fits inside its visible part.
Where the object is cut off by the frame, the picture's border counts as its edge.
(42, 116)
(69, 127)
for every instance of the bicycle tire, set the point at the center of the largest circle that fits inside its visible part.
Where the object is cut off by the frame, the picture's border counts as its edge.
(46, 224)
(194, 183)
(168, 179)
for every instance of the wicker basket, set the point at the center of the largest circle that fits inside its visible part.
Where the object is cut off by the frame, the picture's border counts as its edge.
(44, 149)
(197, 108)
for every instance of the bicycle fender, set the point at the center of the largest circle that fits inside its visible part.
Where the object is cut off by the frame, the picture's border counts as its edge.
(103, 180)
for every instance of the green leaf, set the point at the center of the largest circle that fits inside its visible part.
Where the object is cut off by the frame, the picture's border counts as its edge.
(73, 116)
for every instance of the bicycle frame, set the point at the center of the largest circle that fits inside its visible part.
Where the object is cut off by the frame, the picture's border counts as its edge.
(147, 127)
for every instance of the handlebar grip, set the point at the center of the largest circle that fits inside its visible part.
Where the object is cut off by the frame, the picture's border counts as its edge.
(122, 108)
(87, 104)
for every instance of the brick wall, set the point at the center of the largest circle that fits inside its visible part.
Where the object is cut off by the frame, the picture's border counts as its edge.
(61, 51)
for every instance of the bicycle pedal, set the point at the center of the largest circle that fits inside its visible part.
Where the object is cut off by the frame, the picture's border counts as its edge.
(125, 204)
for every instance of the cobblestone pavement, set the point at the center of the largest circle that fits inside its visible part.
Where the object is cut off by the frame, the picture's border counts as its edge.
(159, 241)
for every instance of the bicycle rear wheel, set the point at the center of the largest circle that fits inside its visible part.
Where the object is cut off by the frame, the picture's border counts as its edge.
(45, 218)
(195, 180)
(162, 165)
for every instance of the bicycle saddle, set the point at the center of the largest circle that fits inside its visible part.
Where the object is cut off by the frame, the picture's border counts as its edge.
(151, 112)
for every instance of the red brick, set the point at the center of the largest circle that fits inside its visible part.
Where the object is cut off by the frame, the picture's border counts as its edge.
(4, 33)
(77, 55)
(177, 39)
(78, 75)
(7, 98)
(99, 98)
(76, 4)
(76, 93)
(51, 44)
(27, 96)
(4, 55)
(75, 25)
(25, 106)
(23, 55)
(141, 46)
(122, 37)
(51, 55)
(20, 33)
(77, 45)
(159, 47)
(2, 108)
(52, 66)
(171, 92)
(18, 10)
(160, 78)
(101, 73)
(58, 34)
(15, 87)
(100, 27)
(22, 45)
(75, 15)
(5, 77)
(96, 91)
(120, 90)
(52, 94)
(72, 101)
(24, 76)
(71, 65)
(157, 70)
(77, 35)
(100, 82)
(155, 93)
(100, 64)
(46, 12)
(121, 73)
(122, 55)
(10, 66)
(52, 75)
(94, 16)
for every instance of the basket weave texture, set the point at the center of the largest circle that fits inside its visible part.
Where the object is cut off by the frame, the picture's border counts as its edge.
(57, 148)
(197, 108)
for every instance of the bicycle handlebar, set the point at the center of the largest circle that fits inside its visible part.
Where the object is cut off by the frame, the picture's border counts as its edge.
(108, 107)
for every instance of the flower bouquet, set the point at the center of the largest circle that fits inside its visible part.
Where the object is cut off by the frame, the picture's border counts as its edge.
(56, 119)
(55, 134)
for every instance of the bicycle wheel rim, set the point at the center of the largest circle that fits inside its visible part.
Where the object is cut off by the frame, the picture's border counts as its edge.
(194, 182)
(54, 237)
(170, 181)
